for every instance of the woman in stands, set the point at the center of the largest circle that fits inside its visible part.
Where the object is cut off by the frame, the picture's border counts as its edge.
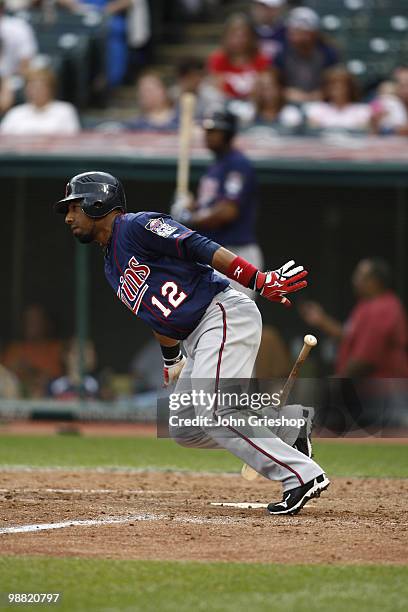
(270, 106)
(237, 64)
(341, 108)
(156, 110)
(42, 113)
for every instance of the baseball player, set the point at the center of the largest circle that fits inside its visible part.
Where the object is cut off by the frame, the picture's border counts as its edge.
(225, 207)
(165, 274)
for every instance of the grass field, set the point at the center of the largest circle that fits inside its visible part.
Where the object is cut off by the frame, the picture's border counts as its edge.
(154, 586)
(103, 584)
(338, 458)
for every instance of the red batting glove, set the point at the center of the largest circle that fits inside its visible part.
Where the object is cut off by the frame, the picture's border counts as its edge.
(275, 285)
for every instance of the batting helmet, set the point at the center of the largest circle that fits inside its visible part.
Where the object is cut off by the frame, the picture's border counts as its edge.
(98, 192)
(221, 119)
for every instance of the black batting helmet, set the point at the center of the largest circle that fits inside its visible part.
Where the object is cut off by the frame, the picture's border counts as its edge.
(221, 119)
(98, 193)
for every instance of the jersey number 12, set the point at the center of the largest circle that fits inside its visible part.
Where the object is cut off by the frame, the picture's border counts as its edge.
(175, 297)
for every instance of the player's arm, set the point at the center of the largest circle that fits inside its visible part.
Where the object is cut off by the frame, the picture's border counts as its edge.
(222, 213)
(226, 208)
(314, 314)
(273, 285)
(168, 237)
(173, 358)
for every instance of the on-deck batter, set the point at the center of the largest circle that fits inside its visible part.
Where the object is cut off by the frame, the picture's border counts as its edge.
(164, 273)
(226, 203)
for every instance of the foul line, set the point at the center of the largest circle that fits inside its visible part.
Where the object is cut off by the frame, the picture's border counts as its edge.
(244, 505)
(96, 491)
(195, 520)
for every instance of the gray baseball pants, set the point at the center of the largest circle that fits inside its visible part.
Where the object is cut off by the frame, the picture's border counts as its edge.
(221, 349)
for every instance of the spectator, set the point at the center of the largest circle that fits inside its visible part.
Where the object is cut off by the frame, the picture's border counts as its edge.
(191, 78)
(139, 29)
(391, 104)
(270, 26)
(69, 386)
(117, 49)
(18, 45)
(271, 109)
(37, 356)
(235, 66)
(305, 57)
(341, 109)
(373, 343)
(157, 111)
(41, 114)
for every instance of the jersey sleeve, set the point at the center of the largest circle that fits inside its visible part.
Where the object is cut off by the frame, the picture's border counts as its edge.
(159, 234)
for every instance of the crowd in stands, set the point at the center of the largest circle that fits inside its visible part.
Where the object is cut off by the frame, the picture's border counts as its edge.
(274, 67)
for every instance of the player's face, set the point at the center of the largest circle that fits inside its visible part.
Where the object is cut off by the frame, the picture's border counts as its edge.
(361, 278)
(81, 226)
(215, 140)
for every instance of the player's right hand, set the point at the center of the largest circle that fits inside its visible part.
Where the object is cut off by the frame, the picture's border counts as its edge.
(182, 204)
(172, 372)
(276, 284)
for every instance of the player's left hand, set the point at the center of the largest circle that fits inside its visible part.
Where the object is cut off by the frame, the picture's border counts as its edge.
(172, 372)
(276, 284)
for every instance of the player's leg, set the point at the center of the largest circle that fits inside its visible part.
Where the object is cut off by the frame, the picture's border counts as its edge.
(224, 347)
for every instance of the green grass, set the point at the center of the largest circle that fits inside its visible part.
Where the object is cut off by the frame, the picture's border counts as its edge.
(337, 458)
(104, 585)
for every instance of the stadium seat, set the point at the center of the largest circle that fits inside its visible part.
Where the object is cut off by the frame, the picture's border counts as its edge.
(372, 35)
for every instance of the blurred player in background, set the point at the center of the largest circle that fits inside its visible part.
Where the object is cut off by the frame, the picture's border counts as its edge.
(225, 207)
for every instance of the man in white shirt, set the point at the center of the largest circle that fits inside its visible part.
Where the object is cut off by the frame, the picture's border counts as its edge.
(18, 44)
(42, 114)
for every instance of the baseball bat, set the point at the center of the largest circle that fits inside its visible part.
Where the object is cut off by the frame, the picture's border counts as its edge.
(187, 105)
(309, 342)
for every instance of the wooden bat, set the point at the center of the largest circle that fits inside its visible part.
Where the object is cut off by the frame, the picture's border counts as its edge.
(188, 102)
(309, 342)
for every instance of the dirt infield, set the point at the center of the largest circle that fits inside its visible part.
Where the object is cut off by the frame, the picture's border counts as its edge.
(167, 515)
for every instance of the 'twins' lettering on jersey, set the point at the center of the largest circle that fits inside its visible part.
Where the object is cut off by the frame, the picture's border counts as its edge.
(151, 271)
(132, 285)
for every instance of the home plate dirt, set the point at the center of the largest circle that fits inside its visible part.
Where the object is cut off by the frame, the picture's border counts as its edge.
(167, 515)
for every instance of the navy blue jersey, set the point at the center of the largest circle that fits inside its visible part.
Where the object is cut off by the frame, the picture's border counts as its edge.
(232, 178)
(147, 264)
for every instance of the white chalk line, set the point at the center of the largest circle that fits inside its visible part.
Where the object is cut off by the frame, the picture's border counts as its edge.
(195, 520)
(97, 491)
(77, 523)
(244, 505)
